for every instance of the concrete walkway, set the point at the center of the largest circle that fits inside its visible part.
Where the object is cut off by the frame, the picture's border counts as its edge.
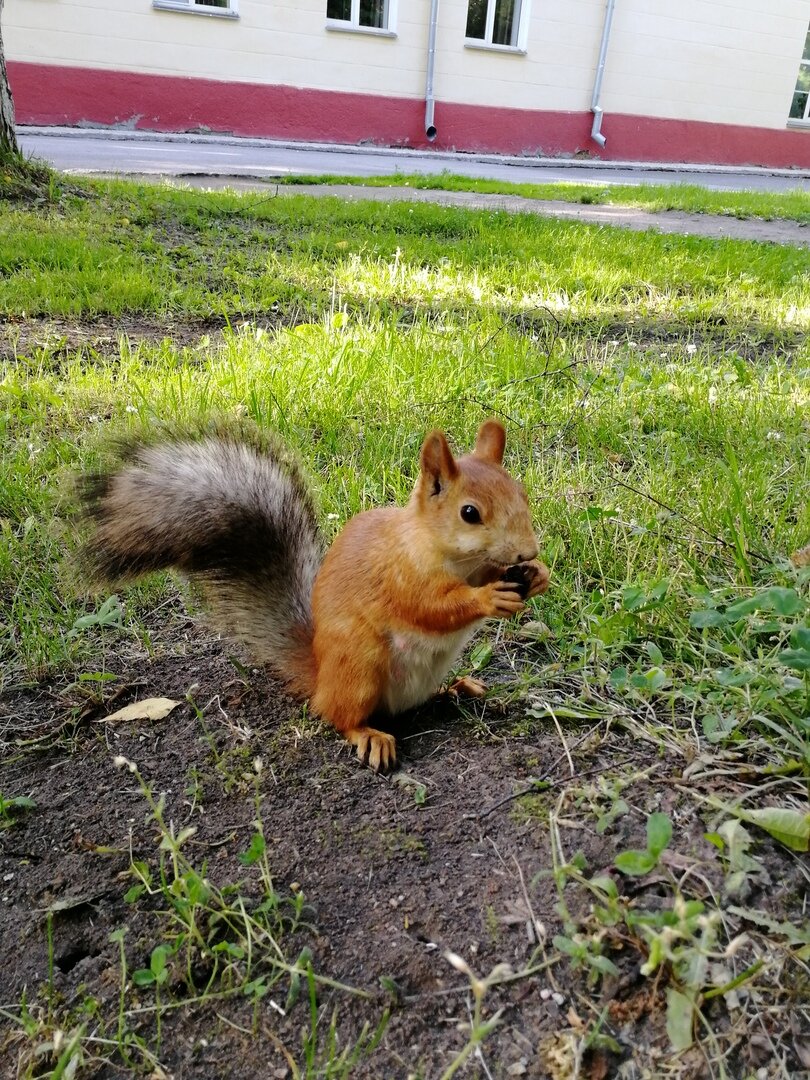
(670, 221)
(216, 162)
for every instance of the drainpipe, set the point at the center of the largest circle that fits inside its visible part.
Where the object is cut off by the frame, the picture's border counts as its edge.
(430, 101)
(596, 100)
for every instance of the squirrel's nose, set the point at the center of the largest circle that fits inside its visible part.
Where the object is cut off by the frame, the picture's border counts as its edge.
(527, 558)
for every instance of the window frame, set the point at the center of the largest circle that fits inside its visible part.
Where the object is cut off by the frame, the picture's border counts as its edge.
(804, 63)
(191, 7)
(486, 42)
(352, 25)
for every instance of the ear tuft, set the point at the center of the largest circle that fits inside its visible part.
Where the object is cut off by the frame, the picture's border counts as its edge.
(490, 442)
(438, 464)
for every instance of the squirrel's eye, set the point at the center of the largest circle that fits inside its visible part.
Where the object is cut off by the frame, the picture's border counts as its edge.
(471, 515)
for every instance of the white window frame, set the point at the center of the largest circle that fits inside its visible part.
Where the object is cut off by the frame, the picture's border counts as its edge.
(352, 24)
(486, 41)
(189, 7)
(801, 121)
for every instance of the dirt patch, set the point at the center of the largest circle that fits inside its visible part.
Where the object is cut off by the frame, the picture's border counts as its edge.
(61, 337)
(395, 872)
(103, 336)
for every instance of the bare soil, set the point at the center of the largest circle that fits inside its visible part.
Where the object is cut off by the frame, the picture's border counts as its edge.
(62, 336)
(396, 870)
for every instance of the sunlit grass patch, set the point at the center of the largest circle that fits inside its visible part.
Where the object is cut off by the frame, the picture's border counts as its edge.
(158, 250)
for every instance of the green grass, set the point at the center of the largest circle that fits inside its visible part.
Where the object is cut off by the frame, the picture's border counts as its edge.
(170, 252)
(656, 392)
(689, 468)
(689, 198)
(678, 457)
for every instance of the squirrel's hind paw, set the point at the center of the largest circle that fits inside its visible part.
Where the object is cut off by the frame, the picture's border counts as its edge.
(467, 686)
(377, 748)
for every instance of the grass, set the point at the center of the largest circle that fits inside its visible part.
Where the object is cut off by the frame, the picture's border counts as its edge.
(656, 198)
(669, 474)
(656, 392)
(169, 252)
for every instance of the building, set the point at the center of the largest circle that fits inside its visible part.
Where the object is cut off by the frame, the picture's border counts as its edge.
(702, 80)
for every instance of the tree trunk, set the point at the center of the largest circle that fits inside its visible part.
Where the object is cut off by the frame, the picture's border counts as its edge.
(8, 137)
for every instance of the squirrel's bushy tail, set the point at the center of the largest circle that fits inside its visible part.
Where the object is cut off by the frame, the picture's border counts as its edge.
(237, 518)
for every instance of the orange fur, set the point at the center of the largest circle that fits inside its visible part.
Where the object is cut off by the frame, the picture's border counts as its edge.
(408, 579)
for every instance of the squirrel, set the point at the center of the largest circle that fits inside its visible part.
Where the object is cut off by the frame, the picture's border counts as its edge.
(368, 628)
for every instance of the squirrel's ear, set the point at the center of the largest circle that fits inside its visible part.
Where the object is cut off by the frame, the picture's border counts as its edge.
(437, 463)
(490, 441)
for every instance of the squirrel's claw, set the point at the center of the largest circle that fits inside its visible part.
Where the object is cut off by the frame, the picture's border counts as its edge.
(378, 748)
(539, 574)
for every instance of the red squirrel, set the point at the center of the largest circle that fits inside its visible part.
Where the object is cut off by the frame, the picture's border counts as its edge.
(369, 629)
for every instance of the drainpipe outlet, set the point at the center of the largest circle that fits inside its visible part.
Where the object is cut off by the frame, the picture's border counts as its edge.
(596, 133)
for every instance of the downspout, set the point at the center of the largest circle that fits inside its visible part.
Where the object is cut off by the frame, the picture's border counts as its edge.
(430, 101)
(596, 100)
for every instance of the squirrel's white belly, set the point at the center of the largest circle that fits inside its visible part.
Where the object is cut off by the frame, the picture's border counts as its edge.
(419, 663)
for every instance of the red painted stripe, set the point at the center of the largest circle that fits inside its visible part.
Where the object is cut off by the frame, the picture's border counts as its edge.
(50, 94)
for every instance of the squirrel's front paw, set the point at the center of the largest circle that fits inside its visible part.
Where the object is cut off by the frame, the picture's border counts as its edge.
(502, 599)
(538, 575)
(377, 748)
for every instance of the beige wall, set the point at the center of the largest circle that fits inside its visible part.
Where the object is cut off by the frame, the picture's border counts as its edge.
(717, 60)
(730, 61)
(273, 41)
(556, 72)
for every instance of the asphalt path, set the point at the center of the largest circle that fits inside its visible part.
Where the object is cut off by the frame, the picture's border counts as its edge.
(108, 152)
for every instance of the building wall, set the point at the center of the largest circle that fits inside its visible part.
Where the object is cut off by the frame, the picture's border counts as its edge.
(699, 71)
(282, 42)
(725, 61)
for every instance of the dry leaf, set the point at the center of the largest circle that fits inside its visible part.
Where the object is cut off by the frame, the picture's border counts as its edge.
(152, 708)
(575, 1020)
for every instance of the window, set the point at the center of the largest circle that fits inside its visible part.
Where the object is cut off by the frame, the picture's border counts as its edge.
(222, 8)
(497, 23)
(801, 95)
(360, 14)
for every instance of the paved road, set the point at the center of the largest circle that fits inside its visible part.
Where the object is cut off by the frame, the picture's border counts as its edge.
(103, 151)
